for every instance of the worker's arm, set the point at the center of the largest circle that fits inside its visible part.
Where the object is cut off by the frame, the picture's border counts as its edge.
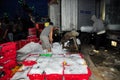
(51, 35)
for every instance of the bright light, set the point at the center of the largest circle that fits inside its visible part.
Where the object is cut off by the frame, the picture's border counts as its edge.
(113, 43)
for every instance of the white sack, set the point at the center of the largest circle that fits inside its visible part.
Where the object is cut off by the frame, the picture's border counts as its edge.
(31, 47)
(57, 48)
(86, 29)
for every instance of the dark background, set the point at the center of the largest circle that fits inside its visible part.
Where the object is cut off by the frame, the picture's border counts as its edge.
(13, 8)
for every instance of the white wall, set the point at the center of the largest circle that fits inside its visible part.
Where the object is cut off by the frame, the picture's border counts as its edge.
(86, 8)
(55, 13)
(76, 13)
(69, 9)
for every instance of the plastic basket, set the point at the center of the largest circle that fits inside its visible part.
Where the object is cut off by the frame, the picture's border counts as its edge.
(21, 43)
(5, 59)
(29, 63)
(7, 46)
(77, 76)
(9, 64)
(9, 53)
(31, 37)
(54, 77)
(33, 40)
(35, 76)
(32, 31)
(7, 75)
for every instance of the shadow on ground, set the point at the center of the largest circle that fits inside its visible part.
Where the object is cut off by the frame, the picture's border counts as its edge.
(106, 63)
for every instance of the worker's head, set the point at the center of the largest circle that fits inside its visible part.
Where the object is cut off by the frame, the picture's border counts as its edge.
(93, 18)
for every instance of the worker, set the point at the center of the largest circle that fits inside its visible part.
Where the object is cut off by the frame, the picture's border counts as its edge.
(100, 32)
(46, 37)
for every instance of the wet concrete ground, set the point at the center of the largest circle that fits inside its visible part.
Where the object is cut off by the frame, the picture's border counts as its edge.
(104, 65)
